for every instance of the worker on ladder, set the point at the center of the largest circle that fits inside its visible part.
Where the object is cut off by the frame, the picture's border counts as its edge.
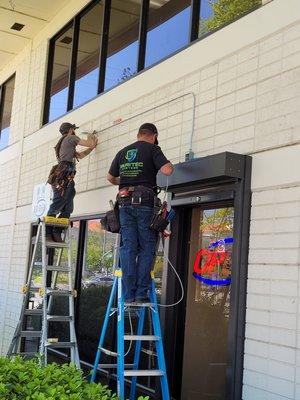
(61, 176)
(134, 169)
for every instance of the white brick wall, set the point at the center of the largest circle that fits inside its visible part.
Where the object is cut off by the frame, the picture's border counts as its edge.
(14, 280)
(247, 101)
(8, 179)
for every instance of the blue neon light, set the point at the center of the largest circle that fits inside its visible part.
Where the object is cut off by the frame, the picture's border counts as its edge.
(216, 282)
(219, 242)
(212, 282)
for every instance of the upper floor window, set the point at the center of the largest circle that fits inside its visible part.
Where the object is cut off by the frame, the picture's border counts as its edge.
(168, 29)
(109, 41)
(217, 13)
(6, 101)
(123, 41)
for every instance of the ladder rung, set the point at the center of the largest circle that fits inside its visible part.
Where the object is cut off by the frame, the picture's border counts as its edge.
(37, 264)
(59, 292)
(144, 372)
(29, 334)
(57, 268)
(34, 311)
(108, 352)
(112, 366)
(34, 289)
(67, 345)
(59, 318)
(133, 313)
(135, 305)
(149, 352)
(58, 245)
(142, 337)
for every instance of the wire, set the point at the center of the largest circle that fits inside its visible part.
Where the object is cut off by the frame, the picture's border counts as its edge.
(131, 332)
(166, 189)
(180, 282)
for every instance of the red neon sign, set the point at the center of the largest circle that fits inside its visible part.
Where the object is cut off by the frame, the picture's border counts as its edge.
(213, 259)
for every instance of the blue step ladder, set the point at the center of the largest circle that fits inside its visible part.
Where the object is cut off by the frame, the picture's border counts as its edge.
(132, 370)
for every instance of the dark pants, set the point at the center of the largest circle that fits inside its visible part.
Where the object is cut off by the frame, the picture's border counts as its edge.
(62, 206)
(137, 251)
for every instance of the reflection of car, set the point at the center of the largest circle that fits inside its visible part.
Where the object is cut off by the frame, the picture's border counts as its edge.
(98, 280)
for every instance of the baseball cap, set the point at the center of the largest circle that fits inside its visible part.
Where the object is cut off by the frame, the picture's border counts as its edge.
(65, 126)
(151, 128)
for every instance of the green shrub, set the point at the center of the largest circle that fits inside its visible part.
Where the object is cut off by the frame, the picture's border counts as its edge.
(26, 380)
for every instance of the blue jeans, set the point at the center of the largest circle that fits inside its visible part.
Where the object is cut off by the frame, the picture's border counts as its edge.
(62, 205)
(137, 251)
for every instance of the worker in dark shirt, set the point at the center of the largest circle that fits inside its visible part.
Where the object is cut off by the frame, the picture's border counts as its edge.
(64, 172)
(134, 169)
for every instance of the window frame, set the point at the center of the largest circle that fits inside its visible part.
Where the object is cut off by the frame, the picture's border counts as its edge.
(2, 100)
(103, 47)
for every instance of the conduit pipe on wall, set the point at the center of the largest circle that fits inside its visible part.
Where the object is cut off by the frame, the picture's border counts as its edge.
(190, 154)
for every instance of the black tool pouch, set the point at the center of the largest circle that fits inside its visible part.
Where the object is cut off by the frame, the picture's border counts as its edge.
(111, 221)
(158, 222)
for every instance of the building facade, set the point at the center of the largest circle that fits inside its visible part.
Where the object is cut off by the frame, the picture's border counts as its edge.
(210, 87)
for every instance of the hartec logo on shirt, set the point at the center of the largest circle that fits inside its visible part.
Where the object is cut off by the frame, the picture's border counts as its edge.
(131, 155)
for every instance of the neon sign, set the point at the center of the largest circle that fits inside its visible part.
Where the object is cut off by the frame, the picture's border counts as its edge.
(208, 260)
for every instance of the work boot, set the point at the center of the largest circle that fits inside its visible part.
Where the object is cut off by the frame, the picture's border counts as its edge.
(57, 237)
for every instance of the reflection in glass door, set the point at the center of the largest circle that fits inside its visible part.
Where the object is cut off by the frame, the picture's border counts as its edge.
(96, 282)
(205, 358)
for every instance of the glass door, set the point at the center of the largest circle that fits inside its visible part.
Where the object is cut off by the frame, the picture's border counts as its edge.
(205, 355)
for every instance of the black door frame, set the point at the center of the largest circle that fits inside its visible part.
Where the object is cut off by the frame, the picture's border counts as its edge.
(214, 181)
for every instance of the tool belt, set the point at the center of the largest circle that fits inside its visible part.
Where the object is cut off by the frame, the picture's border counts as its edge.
(137, 195)
(61, 175)
(111, 221)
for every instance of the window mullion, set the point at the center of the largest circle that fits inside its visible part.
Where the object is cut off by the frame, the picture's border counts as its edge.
(104, 45)
(72, 74)
(194, 21)
(143, 34)
(48, 81)
(1, 108)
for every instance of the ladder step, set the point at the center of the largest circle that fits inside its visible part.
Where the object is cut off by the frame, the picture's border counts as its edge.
(58, 245)
(113, 366)
(53, 221)
(149, 338)
(137, 305)
(57, 268)
(34, 311)
(37, 264)
(59, 292)
(144, 372)
(34, 289)
(30, 334)
(59, 318)
(67, 345)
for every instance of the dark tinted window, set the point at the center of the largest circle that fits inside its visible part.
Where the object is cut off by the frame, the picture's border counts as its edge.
(6, 101)
(87, 64)
(168, 29)
(215, 14)
(60, 74)
(96, 283)
(167, 26)
(122, 51)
